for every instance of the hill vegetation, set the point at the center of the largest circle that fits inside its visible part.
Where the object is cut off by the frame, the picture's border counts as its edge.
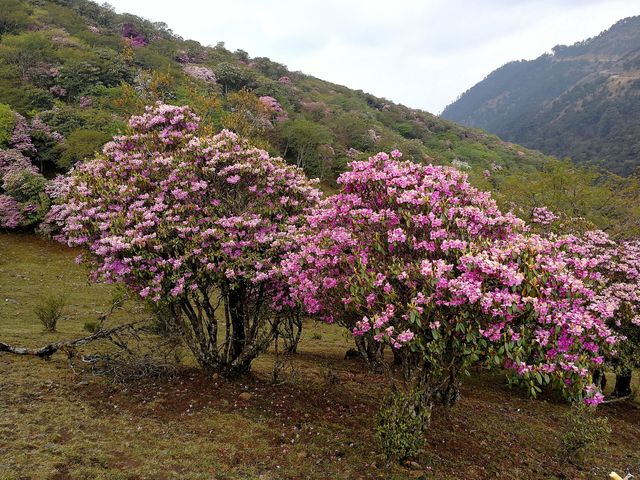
(317, 424)
(580, 101)
(237, 285)
(72, 71)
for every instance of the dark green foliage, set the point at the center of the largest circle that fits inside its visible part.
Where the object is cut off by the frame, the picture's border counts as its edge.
(581, 101)
(27, 51)
(90, 326)
(79, 145)
(270, 68)
(585, 432)
(628, 358)
(304, 140)
(107, 69)
(401, 424)
(233, 77)
(14, 16)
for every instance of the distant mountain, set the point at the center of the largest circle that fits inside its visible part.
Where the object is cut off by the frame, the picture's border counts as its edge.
(581, 101)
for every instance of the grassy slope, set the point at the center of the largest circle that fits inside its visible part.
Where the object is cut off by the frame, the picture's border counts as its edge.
(54, 425)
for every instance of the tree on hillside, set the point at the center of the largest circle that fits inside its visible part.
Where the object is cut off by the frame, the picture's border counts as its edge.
(197, 224)
(26, 51)
(233, 77)
(14, 16)
(303, 140)
(414, 257)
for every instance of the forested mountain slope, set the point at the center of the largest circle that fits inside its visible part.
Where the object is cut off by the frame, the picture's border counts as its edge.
(72, 72)
(581, 101)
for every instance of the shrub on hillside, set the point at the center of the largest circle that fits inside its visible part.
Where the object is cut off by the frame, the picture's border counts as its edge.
(400, 425)
(584, 433)
(50, 310)
(413, 257)
(618, 300)
(7, 122)
(196, 223)
(22, 198)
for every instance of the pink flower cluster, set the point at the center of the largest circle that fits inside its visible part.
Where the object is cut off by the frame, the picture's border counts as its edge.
(85, 102)
(417, 255)
(171, 213)
(543, 216)
(21, 135)
(272, 105)
(133, 36)
(58, 91)
(200, 72)
(616, 266)
(38, 125)
(20, 190)
(20, 138)
(10, 212)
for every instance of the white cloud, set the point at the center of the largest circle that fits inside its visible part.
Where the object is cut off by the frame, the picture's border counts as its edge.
(420, 53)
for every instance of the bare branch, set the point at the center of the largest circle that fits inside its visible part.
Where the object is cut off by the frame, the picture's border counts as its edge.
(48, 350)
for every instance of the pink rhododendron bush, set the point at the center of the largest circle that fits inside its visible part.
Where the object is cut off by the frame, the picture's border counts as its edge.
(618, 300)
(22, 197)
(196, 223)
(413, 257)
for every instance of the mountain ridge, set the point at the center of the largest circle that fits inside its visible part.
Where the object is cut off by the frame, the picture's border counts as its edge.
(579, 101)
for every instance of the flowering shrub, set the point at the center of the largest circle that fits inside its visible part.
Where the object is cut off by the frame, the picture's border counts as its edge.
(38, 125)
(460, 164)
(85, 102)
(12, 160)
(418, 259)
(24, 185)
(21, 190)
(20, 139)
(272, 105)
(543, 216)
(618, 299)
(10, 212)
(58, 91)
(133, 36)
(197, 223)
(200, 72)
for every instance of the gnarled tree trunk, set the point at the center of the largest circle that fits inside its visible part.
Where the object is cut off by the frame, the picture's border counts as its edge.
(225, 330)
(371, 350)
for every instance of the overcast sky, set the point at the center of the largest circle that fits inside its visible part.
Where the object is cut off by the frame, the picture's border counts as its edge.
(419, 53)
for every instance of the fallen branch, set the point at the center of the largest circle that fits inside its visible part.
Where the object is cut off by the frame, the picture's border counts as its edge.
(48, 350)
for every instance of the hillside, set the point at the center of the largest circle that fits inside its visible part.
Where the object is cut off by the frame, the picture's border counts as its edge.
(72, 72)
(580, 101)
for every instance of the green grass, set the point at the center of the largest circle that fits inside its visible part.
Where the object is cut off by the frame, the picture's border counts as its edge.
(56, 424)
